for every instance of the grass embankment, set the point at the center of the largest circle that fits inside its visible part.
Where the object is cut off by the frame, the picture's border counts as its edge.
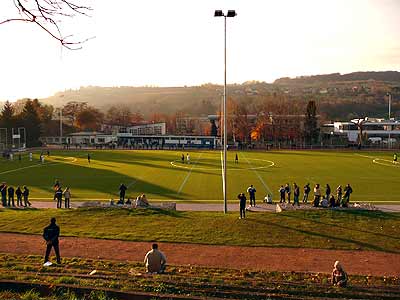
(328, 229)
(195, 281)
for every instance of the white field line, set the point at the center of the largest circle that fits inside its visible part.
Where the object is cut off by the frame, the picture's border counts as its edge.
(388, 163)
(365, 156)
(49, 163)
(188, 174)
(375, 160)
(259, 177)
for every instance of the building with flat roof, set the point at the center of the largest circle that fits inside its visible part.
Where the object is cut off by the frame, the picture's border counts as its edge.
(373, 129)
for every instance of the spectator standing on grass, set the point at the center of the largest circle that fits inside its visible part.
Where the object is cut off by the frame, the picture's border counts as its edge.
(339, 276)
(25, 193)
(327, 192)
(58, 196)
(288, 191)
(122, 192)
(282, 192)
(252, 194)
(296, 194)
(339, 193)
(332, 201)
(18, 193)
(346, 198)
(155, 261)
(317, 195)
(67, 197)
(51, 234)
(306, 190)
(242, 205)
(3, 190)
(11, 196)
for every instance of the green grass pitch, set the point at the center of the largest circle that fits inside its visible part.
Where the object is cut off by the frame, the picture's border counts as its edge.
(162, 176)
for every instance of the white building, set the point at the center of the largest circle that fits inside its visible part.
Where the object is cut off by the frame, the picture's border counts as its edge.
(374, 129)
(91, 138)
(146, 129)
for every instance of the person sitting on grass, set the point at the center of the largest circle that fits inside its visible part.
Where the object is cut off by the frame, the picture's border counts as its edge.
(155, 261)
(339, 276)
(268, 199)
(141, 201)
(346, 198)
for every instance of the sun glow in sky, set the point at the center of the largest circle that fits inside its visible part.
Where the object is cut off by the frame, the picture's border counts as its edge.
(176, 43)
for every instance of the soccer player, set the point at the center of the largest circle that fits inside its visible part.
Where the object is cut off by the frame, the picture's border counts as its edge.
(88, 158)
(188, 158)
(395, 158)
(236, 159)
(183, 158)
(30, 156)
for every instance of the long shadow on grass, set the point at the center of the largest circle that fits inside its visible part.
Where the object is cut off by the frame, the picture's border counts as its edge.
(371, 214)
(96, 181)
(326, 236)
(343, 227)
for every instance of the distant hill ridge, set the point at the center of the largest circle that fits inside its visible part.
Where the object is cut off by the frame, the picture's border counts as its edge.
(391, 76)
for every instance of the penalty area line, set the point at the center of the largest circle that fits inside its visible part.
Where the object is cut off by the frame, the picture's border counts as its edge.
(188, 174)
(258, 175)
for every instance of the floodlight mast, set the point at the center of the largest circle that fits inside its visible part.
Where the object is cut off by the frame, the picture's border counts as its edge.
(230, 14)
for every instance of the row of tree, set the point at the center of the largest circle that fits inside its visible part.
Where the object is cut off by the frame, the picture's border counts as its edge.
(274, 119)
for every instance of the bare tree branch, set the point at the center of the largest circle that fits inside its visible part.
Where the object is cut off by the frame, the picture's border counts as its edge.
(46, 14)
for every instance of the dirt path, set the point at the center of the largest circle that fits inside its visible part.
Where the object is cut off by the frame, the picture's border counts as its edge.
(256, 258)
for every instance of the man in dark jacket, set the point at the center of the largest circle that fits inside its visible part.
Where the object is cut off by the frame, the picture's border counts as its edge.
(3, 190)
(242, 205)
(58, 197)
(122, 191)
(18, 193)
(11, 196)
(51, 234)
(25, 193)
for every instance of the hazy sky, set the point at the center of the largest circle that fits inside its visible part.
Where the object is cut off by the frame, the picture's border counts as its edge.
(176, 43)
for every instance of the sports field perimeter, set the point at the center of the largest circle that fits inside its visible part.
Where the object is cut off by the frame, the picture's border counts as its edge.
(161, 175)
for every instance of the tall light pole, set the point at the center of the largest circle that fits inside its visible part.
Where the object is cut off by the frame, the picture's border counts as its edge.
(230, 14)
(61, 126)
(390, 128)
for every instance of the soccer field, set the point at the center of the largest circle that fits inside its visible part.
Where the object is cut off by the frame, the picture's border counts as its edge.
(162, 176)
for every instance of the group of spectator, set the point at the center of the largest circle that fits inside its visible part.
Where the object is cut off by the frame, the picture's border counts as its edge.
(59, 193)
(8, 194)
(327, 199)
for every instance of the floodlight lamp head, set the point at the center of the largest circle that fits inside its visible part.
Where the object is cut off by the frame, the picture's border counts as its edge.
(218, 13)
(231, 13)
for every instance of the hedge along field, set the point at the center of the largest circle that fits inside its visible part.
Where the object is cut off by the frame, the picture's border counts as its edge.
(323, 229)
(163, 177)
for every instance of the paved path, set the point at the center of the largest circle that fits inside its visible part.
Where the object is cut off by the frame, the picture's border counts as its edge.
(211, 206)
(235, 257)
